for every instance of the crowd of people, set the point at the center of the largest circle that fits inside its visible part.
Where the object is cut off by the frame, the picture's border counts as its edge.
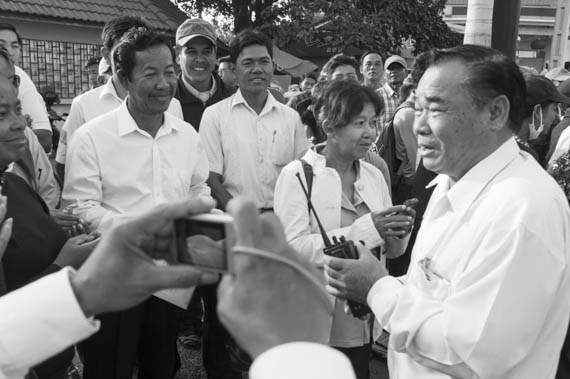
(423, 209)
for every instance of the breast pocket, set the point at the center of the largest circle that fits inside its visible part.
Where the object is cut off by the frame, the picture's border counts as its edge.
(175, 183)
(282, 150)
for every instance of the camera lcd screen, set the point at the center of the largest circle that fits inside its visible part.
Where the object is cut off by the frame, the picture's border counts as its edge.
(202, 243)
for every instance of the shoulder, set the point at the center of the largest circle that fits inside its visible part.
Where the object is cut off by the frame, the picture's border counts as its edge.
(100, 125)
(90, 97)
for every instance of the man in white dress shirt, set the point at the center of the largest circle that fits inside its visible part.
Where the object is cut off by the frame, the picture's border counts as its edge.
(487, 291)
(120, 165)
(105, 98)
(46, 316)
(32, 102)
(249, 137)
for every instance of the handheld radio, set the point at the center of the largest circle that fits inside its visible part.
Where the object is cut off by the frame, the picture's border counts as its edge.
(339, 249)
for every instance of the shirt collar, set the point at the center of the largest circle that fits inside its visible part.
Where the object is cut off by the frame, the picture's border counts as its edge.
(109, 90)
(126, 123)
(197, 93)
(390, 90)
(463, 193)
(269, 103)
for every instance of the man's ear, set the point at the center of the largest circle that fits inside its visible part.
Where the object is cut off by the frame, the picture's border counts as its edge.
(105, 54)
(499, 109)
(123, 78)
(178, 50)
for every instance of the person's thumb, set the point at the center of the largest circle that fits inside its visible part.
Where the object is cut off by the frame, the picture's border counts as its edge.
(180, 276)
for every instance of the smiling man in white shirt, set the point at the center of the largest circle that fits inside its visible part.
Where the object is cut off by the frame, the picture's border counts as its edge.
(121, 164)
(486, 293)
(105, 98)
(249, 137)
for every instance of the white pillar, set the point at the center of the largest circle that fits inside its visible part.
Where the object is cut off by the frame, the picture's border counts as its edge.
(479, 24)
(560, 36)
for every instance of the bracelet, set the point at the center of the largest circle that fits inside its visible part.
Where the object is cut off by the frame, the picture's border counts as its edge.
(288, 262)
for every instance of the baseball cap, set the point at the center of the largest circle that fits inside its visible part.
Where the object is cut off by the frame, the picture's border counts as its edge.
(540, 90)
(395, 59)
(193, 28)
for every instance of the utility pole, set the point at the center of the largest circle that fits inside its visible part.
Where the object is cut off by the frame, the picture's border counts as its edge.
(506, 15)
(560, 37)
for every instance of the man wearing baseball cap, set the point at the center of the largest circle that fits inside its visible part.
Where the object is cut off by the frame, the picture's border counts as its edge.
(198, 84)
(541, 113)
(198, 87)
(395, 71)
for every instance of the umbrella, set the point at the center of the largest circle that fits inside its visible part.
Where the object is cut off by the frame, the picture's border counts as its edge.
(291, 64)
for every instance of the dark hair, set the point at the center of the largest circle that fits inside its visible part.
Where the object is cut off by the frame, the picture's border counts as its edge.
(4, 54)
(340, 60)
(249, 38)
(366, 53)
(567, 66)
(92, 61)
(343, 100)
(225, 59)
(489, 73)
(405, 91)
(114, 30)
(137, 39)
(6, 26)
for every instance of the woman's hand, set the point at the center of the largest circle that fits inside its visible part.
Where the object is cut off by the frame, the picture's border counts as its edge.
(72, 225)
(395, 221)
(77, 249)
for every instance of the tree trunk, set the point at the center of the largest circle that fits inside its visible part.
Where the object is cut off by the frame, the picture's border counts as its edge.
(242, 16)
(478, 26)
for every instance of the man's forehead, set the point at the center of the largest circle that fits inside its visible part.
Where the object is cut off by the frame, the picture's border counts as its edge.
(153, 55)
(373, 57)
(7, 35)
(440, 78)
(253, 51)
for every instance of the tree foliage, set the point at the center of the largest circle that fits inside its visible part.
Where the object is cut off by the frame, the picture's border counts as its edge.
(365, 24)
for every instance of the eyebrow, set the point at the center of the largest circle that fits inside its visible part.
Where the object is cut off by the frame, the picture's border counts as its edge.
(434, 99)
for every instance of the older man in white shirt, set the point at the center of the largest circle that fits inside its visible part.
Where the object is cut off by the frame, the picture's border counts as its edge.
(105, 98)
(486, 293)
(121, 164)
(249, 137)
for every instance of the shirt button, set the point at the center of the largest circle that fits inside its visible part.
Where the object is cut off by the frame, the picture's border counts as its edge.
(360, 187)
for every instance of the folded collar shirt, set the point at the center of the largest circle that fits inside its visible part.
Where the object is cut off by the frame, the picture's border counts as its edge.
(248, 149)
(487, 286)
(115, 168)
(92, 104)
(390, 99)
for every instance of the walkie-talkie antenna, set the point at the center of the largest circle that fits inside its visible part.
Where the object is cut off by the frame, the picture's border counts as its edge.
(326, 239)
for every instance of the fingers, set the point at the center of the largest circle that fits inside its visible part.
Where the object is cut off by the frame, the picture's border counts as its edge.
(182, 276)
(247, 223)
(334, 291)
(391, 210)
(336, 264)
(157, 218)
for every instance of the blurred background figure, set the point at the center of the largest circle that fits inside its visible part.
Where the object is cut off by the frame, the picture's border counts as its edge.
(226, 72)
(92, 68)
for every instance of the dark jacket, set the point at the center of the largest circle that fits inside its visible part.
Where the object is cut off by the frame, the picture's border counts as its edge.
(192, 107)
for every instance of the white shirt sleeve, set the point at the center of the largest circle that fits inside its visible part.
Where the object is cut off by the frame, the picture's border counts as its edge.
(198, 186)
(38, 321)
(212, 140)
(301, 360)
(175, 109)
(83, 185)
(32, 102)
(491, 297)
